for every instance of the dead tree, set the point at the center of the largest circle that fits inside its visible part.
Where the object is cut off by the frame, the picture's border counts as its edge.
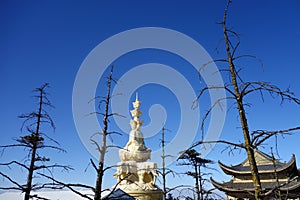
(163, 157)
(33, 142)
(102, 148)
(238, 90)
(104, 101)
(165, 170)
(193, 158)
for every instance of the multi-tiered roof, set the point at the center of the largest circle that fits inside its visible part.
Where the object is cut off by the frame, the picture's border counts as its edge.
(275, 176)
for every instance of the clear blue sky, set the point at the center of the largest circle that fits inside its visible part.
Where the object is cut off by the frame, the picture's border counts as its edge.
(47, 41)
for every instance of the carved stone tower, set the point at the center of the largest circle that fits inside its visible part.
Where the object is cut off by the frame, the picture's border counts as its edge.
(135, 175)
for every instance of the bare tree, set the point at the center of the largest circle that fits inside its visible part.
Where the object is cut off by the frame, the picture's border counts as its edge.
(164, 171)
(193, 158)
(33, 142)
(102, 148)
(99, 139)
(163, 157)
(238, 90)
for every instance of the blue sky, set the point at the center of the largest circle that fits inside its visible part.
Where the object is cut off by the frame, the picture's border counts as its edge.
(47, 41)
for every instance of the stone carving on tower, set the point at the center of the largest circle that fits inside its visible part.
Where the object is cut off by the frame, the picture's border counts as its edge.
(135, 175)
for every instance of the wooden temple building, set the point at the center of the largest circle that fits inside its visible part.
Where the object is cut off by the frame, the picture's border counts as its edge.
(279, 180)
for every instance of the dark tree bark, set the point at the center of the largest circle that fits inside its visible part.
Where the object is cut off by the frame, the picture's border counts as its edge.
(192, 158)
(35, 142)
(241, 109)
(165, 171)
(102, 147)
(238, 89)
(104, 133)
(163, 156)
(33, 123)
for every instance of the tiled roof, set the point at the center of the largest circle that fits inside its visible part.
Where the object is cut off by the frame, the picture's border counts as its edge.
(231, 186)
(262, 168)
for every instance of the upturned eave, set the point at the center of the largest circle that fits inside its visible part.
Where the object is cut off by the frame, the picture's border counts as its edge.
(232, 170)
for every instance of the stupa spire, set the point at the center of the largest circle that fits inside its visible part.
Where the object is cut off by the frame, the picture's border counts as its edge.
(135, 175)
(136, 123)
(136, 96)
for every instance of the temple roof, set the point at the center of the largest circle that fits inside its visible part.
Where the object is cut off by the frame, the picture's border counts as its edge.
(264, 164)
(230, 186)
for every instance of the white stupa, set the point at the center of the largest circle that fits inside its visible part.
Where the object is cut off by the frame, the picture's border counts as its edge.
(135, 175)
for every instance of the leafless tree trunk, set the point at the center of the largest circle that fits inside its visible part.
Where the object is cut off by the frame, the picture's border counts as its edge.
(101, 147)
(163, 163)
(165, 170)
(198, 191)
(34, 141)
(104, 133)
(238, 89)
(192, 158)
(241, 109)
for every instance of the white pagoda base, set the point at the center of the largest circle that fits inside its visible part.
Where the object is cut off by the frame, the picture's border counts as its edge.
(138, 179)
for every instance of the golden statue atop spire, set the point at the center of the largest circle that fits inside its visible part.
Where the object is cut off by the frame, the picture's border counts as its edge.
(136, 96)
(137, 103)
(135, 148)
(135, 175)
(136, 113)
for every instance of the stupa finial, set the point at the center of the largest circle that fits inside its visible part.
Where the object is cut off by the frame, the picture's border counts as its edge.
(135, 175)
(136, 113)
(137, 103)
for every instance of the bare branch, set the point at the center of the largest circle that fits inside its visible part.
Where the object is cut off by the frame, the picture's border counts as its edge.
(261, 136)
(207, 113)
(271, 89)
(35, 196)
(211, 88)
(15, 162)
(94, 165)
(20, 187)
(71, 186)
(97, 145)
(64, 167)
(239, 145)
